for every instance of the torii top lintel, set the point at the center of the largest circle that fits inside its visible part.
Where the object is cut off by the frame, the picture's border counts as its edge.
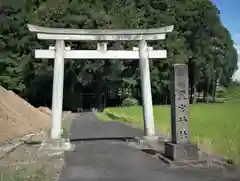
(47, 33)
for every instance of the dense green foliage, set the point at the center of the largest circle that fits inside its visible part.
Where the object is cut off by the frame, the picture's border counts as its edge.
(232, 92)
(199, 39)
(129, 102)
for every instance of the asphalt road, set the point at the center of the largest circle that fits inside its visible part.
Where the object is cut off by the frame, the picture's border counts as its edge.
(101, 156)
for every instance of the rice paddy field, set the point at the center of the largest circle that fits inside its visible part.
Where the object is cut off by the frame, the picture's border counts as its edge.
(216, 127)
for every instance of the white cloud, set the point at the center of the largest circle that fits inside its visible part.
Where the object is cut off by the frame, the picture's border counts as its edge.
(236, 75)
(236, 39)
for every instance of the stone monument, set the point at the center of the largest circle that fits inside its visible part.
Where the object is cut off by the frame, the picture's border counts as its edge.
(180, 147)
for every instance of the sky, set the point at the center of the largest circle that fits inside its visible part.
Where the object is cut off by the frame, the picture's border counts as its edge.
(230, 17)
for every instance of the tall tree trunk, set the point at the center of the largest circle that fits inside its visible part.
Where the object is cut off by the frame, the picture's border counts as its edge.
(104, 99)
(193, 77)
(195, 95)
(216, 82)
(214, 90)
(193, 91)
(205, 92)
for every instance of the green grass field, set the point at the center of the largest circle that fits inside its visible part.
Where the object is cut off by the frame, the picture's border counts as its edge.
(216, 127)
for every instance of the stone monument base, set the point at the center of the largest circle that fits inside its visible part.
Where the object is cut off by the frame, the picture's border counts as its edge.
(181, 152)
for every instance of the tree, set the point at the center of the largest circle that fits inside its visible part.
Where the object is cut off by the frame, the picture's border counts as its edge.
(199, 39)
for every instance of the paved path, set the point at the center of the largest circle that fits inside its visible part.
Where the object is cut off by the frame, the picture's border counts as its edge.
(99, 159)
(87, 126)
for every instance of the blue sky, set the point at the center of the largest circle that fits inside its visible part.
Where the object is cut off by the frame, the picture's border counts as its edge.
(230, 17)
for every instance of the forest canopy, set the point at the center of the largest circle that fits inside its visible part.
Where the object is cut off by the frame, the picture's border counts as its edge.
(199, 39)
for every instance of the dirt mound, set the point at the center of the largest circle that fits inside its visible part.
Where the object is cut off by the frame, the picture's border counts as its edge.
(18, 117)
(45, 110)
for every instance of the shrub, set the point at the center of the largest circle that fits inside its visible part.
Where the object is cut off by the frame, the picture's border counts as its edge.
(130, 102)
(221, 92)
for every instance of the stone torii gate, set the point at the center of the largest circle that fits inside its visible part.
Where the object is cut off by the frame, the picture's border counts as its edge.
(60, 52)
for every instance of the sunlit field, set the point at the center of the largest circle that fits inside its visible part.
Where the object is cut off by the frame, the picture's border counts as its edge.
(216, 127)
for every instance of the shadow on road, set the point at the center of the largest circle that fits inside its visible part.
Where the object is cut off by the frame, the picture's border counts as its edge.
(102, 138)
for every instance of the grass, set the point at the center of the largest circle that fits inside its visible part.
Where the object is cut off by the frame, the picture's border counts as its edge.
(66, 125)
(216, 127)
(12, 174)
(37, 171)
(32, 173)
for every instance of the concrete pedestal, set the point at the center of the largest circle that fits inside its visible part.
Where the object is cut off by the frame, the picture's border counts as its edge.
(56, 146)
(181, 152)
(150, 138)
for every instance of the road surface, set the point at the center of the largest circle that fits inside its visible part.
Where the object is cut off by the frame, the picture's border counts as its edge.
(101, 156)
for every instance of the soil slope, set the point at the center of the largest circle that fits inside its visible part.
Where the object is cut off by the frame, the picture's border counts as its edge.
(18, 117)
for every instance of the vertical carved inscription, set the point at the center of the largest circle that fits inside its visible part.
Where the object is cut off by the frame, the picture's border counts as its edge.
(179, 104)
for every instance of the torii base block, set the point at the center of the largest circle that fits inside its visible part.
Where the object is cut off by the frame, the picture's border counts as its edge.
(56, 146)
